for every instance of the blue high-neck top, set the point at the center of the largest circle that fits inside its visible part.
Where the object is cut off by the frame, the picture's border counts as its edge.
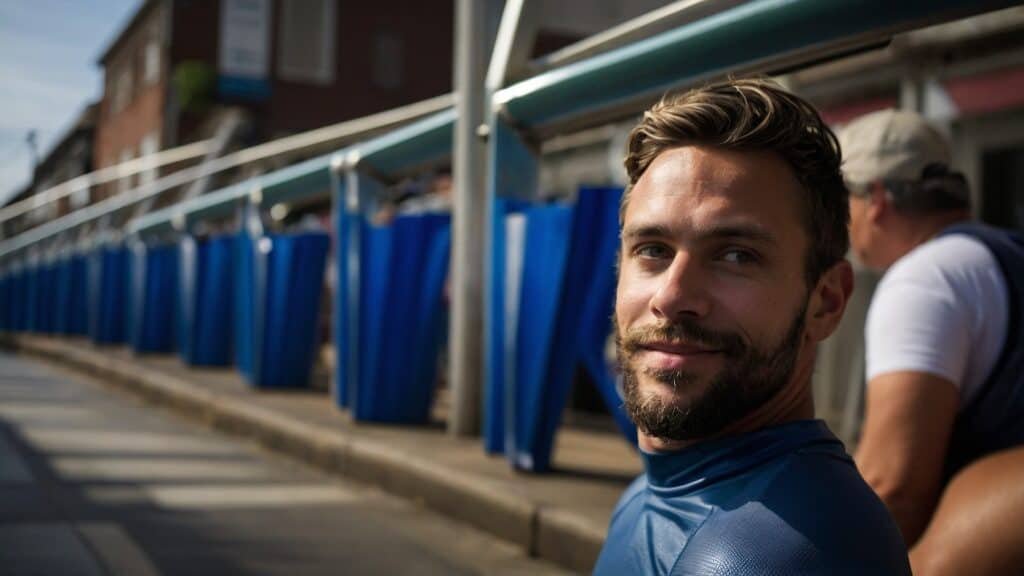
(781, 500)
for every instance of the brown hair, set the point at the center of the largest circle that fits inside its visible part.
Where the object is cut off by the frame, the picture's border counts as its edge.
(756, 114)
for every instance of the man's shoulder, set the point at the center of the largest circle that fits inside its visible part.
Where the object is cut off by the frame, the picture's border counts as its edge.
(936, 259)
(812, 515)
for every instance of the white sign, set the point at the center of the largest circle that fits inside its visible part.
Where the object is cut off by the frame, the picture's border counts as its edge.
(245, 38)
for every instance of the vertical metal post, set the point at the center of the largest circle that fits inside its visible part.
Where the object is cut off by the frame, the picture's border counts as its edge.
(465, 350)
(339, 299)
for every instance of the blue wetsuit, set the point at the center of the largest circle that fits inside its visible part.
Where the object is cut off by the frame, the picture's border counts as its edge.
(782, 500)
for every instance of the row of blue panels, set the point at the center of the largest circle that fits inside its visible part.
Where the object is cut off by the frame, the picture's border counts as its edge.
(179, 297)
(256, 302)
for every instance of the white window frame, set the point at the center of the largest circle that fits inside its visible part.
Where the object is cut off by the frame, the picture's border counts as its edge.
(151, 62)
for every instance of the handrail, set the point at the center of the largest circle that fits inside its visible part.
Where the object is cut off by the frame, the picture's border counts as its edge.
(414, 145)
(103, 176)
(281, 148)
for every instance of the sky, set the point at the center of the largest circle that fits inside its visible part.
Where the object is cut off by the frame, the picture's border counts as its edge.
(48, 73)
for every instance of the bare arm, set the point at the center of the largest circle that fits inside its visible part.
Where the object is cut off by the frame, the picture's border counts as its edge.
(908, 421)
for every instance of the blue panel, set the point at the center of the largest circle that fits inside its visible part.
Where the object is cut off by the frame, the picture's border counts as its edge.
(21, 311)
(599, 302)
(295, 275)
(212, 329)
(244, 304)
(81, 312)
(205, 288)
(561, 322)
(403, 270)
(5, 321)
(154, 329)
(62, 298)
(108, 296)
(32, 298)
(16, 299)
(373, 274)
(548, 232)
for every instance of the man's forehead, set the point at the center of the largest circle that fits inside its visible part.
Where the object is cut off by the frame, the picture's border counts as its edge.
(699, 183)
(693, 169)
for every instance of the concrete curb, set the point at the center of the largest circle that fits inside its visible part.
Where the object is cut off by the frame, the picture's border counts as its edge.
(544, 532)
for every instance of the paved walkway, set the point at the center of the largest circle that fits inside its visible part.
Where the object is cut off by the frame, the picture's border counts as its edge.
(94, 483)
(560, 516)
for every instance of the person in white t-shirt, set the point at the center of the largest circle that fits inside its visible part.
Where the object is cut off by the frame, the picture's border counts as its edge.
(941, 442)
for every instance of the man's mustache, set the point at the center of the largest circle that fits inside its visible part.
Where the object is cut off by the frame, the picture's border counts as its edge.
(687, 332)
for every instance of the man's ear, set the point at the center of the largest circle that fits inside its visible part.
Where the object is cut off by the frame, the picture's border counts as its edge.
(879, 203)
(828, 300)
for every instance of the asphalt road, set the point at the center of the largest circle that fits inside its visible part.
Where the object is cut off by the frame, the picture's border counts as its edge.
(93, 482)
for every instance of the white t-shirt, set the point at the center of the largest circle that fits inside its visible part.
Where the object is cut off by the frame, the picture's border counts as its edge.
(941, 309)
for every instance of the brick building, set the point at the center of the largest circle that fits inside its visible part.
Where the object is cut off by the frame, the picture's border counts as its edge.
(292, 65)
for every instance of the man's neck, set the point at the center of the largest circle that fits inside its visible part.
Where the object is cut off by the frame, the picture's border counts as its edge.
(922, 229)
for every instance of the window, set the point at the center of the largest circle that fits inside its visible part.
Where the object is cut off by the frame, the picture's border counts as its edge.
(388, 64)
(122, 89)
(305, 50)
(149, 146)
(151, 63)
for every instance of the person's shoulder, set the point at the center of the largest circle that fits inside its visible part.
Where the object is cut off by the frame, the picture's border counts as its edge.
(943, 259)
(813, 515)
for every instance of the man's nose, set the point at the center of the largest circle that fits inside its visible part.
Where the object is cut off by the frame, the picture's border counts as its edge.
(682, 290)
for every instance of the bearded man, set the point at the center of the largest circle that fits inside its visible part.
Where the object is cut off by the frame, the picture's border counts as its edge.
(732, 269)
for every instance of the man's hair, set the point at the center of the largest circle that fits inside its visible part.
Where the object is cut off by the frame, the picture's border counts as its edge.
(756, 114)
(939, 190)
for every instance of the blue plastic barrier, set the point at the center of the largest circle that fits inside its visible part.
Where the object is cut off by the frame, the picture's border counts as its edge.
(32, 295)
(244, 304)
(402, 318)
(62, 296)
(79, 310)
(277, 307)
(107, 293)
(5, 314)
(154, 282)
(556, 283)
(16, 308)
(204, 295)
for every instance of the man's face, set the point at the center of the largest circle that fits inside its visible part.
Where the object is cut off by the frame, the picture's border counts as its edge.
(712, 290)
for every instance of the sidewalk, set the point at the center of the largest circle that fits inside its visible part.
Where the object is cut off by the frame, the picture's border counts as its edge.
(561, 516)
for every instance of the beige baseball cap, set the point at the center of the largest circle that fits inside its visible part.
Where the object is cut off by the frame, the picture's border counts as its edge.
(890, 145)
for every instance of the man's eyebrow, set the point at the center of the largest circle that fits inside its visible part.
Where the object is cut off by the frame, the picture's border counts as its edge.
(751, 232)
(645, 231)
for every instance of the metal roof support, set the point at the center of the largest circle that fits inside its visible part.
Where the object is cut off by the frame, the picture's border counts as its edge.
(466, 321)
(760, 35)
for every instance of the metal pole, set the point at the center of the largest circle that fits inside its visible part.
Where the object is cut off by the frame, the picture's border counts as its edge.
(465, 350)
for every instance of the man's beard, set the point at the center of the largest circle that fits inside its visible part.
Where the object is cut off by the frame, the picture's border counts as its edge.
(749, 378)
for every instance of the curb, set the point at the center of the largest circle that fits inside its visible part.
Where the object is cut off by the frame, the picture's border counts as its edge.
(541, 531)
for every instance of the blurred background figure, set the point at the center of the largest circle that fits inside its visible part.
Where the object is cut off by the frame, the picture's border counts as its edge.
(944, 427)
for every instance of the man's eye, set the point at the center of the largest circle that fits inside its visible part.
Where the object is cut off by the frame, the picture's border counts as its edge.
(652, 251)
(738, 256)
